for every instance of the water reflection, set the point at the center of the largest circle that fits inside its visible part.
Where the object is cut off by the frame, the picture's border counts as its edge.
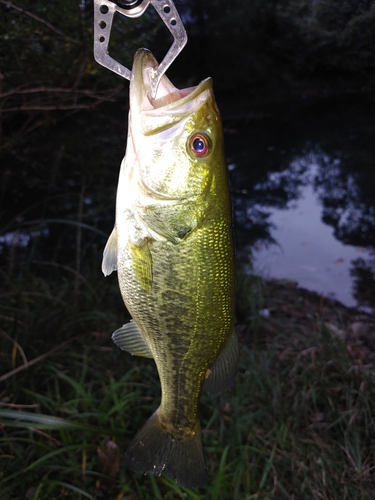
(307, 250)
(310, 222)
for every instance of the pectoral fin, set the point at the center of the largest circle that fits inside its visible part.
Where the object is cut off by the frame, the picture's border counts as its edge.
(223, 372)
(109, 262)
(129, 338)
(142, 264)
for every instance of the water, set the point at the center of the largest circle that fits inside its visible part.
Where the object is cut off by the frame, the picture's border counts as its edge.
(304, 200)
(307, 251)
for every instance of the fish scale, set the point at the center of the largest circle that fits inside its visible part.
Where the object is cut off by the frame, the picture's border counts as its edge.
(179, 306)
(172, 246)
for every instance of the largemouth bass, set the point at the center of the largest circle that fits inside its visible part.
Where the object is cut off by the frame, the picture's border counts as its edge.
(172, 247)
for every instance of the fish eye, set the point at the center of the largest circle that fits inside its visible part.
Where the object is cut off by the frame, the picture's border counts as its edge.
(199, 145)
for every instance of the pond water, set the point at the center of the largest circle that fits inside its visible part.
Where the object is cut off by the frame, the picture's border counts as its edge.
(304, 198)
(306, 250)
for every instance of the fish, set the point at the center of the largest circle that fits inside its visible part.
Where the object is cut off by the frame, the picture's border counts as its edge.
(172, 247)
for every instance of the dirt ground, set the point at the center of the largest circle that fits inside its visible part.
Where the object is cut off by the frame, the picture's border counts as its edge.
(290, 312)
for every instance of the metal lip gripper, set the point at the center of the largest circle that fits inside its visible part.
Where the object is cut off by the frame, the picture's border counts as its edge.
(104, 11)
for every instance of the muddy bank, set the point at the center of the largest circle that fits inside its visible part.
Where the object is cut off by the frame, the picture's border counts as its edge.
(281, 314)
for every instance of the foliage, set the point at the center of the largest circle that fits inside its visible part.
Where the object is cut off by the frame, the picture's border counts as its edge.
(298, 423)
(47, 63)
(286, 47)
(364, 283)
(334, 35)
(48, 70)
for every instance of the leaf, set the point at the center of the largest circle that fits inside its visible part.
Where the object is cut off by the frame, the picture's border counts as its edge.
(13, 418)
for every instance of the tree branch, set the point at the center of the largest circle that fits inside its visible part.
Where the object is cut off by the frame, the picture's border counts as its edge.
(37, 18)
(37, 105)
(88, 92)
(27, 364)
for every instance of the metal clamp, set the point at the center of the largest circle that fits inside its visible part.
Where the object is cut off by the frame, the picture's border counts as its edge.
(104, 11)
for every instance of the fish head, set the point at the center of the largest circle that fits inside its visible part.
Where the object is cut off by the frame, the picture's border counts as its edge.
(176, 137)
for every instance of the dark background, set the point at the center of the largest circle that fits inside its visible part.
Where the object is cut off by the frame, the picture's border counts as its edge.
(63, 117)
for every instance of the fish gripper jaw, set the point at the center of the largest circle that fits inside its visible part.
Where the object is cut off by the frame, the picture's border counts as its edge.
(104, 11)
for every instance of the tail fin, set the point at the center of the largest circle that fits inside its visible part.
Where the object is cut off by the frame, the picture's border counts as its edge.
(154, 451)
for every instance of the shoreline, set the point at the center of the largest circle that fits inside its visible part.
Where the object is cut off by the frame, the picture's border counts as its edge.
(286, 313)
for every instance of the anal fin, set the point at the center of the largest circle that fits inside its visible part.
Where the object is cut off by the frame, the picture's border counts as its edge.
(129, 338)
(223, 372)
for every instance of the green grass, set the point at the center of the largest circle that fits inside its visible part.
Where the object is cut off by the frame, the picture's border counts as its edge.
(298, 424)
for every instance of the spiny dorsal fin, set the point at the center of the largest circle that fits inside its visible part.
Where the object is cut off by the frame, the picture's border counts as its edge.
(109, 262)
(129, 338)
(223, 371)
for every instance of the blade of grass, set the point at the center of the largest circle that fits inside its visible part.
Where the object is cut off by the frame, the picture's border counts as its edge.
(155, 488)
(73, 488)
(24, 419)
(20, 368)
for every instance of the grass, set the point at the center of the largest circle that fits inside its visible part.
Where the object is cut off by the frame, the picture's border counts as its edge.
(298, 424)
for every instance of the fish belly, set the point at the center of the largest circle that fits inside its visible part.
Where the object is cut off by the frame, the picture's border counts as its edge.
(182, 298)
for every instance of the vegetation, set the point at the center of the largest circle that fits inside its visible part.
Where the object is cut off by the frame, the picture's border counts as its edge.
(301, 47)
(299, 421)
(297, 424)
(295, 46)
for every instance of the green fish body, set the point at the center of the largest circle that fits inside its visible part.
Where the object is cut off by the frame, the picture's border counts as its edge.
(172, 247)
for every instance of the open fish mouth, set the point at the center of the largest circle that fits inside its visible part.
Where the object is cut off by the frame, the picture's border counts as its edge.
(167, 96)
